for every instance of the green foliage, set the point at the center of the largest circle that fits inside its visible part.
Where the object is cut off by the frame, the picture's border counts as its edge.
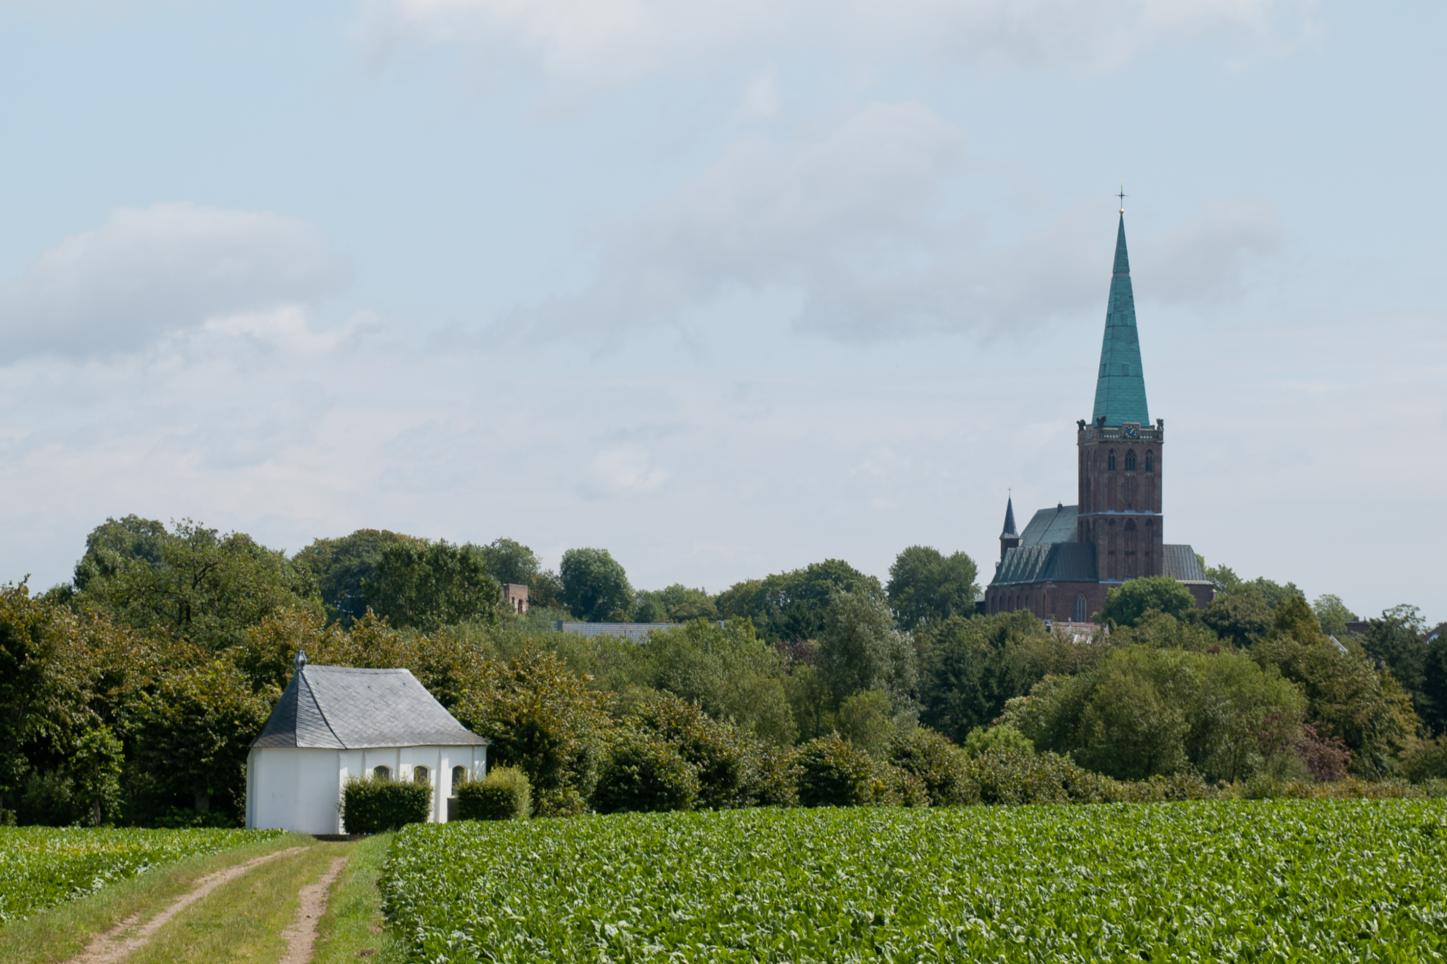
(595, 587)
(1143, 711)
(509, 561)
(859, 649)
(1398, 638)
(927, 586)
(939, 765)
(866, 719)
(644, 772)
(430, 585)
(970, 668)
(504, 794)
(673, 604)
(791, 606)
(1434, 682)
(832, 772)
(1218, 880)
(1333, 615)
(192, 735)
(42, 867)
(721, 758)
(192, 582)
(1427, 761)
(341, 568)
(1126, 604)
(377, 806)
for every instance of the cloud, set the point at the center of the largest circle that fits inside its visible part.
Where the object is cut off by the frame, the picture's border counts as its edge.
(609, 40)
(861, 232)
(149, 272)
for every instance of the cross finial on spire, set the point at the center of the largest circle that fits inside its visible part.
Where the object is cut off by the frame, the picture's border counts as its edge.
(1122, 195)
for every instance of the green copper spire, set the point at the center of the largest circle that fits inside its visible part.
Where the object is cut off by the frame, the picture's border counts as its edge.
(1120, 388)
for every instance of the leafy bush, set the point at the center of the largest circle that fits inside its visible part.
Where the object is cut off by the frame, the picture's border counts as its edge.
(720, 755)
(939, 765)
(832, 772)
(1428, 761)
(504, 794)
(642, 772)
(774, 778)
(375, 806)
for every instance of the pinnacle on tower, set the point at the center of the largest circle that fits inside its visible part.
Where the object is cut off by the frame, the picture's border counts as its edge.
(1009, 529)
(1120, 387)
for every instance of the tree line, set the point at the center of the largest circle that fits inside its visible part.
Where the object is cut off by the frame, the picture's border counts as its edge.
(132, 693)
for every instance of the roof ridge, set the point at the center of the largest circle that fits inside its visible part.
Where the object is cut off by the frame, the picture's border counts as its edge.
(318, 704)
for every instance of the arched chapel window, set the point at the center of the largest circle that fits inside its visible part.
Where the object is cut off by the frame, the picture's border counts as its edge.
(420, 775)
(1130, 461)
(1150, 461)
(1110, 461)
(459, 777)
(381, 773)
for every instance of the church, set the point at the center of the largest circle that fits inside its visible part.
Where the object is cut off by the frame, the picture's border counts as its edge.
(1069, 556)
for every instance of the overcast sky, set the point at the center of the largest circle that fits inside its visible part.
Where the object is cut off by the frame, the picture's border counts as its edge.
(724, 288)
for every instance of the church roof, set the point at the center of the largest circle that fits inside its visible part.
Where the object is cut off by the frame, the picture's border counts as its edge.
(1048, 526)
(1120, 387)
(1071, 561)
(340, 708)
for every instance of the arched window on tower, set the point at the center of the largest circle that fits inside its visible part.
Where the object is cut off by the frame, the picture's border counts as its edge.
(1130, 461)
(1150, 461)
(1077, 614)
(1110, 461)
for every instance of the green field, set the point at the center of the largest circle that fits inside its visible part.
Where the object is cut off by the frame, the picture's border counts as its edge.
(44, 866)
(1270, 880)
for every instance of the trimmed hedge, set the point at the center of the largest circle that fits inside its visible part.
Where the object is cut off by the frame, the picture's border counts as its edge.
(374, 806)
(504, 794)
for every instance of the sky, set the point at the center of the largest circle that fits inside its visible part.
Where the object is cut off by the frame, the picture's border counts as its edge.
(723, 288)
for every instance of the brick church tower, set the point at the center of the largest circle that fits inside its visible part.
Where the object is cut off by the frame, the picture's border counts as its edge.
(1120, 451)
(1068, 557)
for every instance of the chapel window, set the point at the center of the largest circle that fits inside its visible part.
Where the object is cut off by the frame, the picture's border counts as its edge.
(1130, 461)
(381, 773)
(420, 775)
(459, 777)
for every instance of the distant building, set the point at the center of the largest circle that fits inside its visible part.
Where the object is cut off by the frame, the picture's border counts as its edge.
(1069, 556)
(515, 597)
(633, 631)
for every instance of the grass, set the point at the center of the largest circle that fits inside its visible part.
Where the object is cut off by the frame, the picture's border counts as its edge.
(242, 920)
(353, 927)
(61, 932)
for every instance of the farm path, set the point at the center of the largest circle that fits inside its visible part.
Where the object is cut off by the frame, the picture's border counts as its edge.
(301, 934)
(130, 935)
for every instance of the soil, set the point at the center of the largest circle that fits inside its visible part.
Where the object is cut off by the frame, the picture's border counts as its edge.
(301, 934)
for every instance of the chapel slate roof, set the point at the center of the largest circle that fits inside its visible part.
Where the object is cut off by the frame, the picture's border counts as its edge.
(340, 708)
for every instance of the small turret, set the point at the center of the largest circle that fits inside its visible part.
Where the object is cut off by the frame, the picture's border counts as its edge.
(1009, 538)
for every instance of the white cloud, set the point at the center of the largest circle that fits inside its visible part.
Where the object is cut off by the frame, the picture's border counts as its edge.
(861, 231)
(606, 40)
(148, 272)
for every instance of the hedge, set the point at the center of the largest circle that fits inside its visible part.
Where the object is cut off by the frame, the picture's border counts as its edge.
(504, 794)
(374, 806)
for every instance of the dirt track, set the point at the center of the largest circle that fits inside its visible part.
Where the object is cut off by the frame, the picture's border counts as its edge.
(301, 934)
(130, 935)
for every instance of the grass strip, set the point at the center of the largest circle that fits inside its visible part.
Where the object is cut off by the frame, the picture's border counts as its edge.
(353, 927)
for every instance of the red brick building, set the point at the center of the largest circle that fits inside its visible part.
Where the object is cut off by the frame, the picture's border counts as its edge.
(1069, 556)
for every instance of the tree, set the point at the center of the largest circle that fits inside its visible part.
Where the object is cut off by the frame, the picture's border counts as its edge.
(509, 561)
(926, 586)
(859, 649)
(432, 585)
(595, 587)
(1434, 681)
(192, 582)
(1397, 638)
(674, 604)
(866, 719)
(1333, 615)
(342, 567)
(790, 606)
(1126, 604)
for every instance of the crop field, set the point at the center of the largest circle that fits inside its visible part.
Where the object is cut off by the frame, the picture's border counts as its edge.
(43, 866)
(1268, 880)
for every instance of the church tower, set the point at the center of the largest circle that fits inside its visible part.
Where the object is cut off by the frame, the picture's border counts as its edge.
(1009, 538)
(1120, 451)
